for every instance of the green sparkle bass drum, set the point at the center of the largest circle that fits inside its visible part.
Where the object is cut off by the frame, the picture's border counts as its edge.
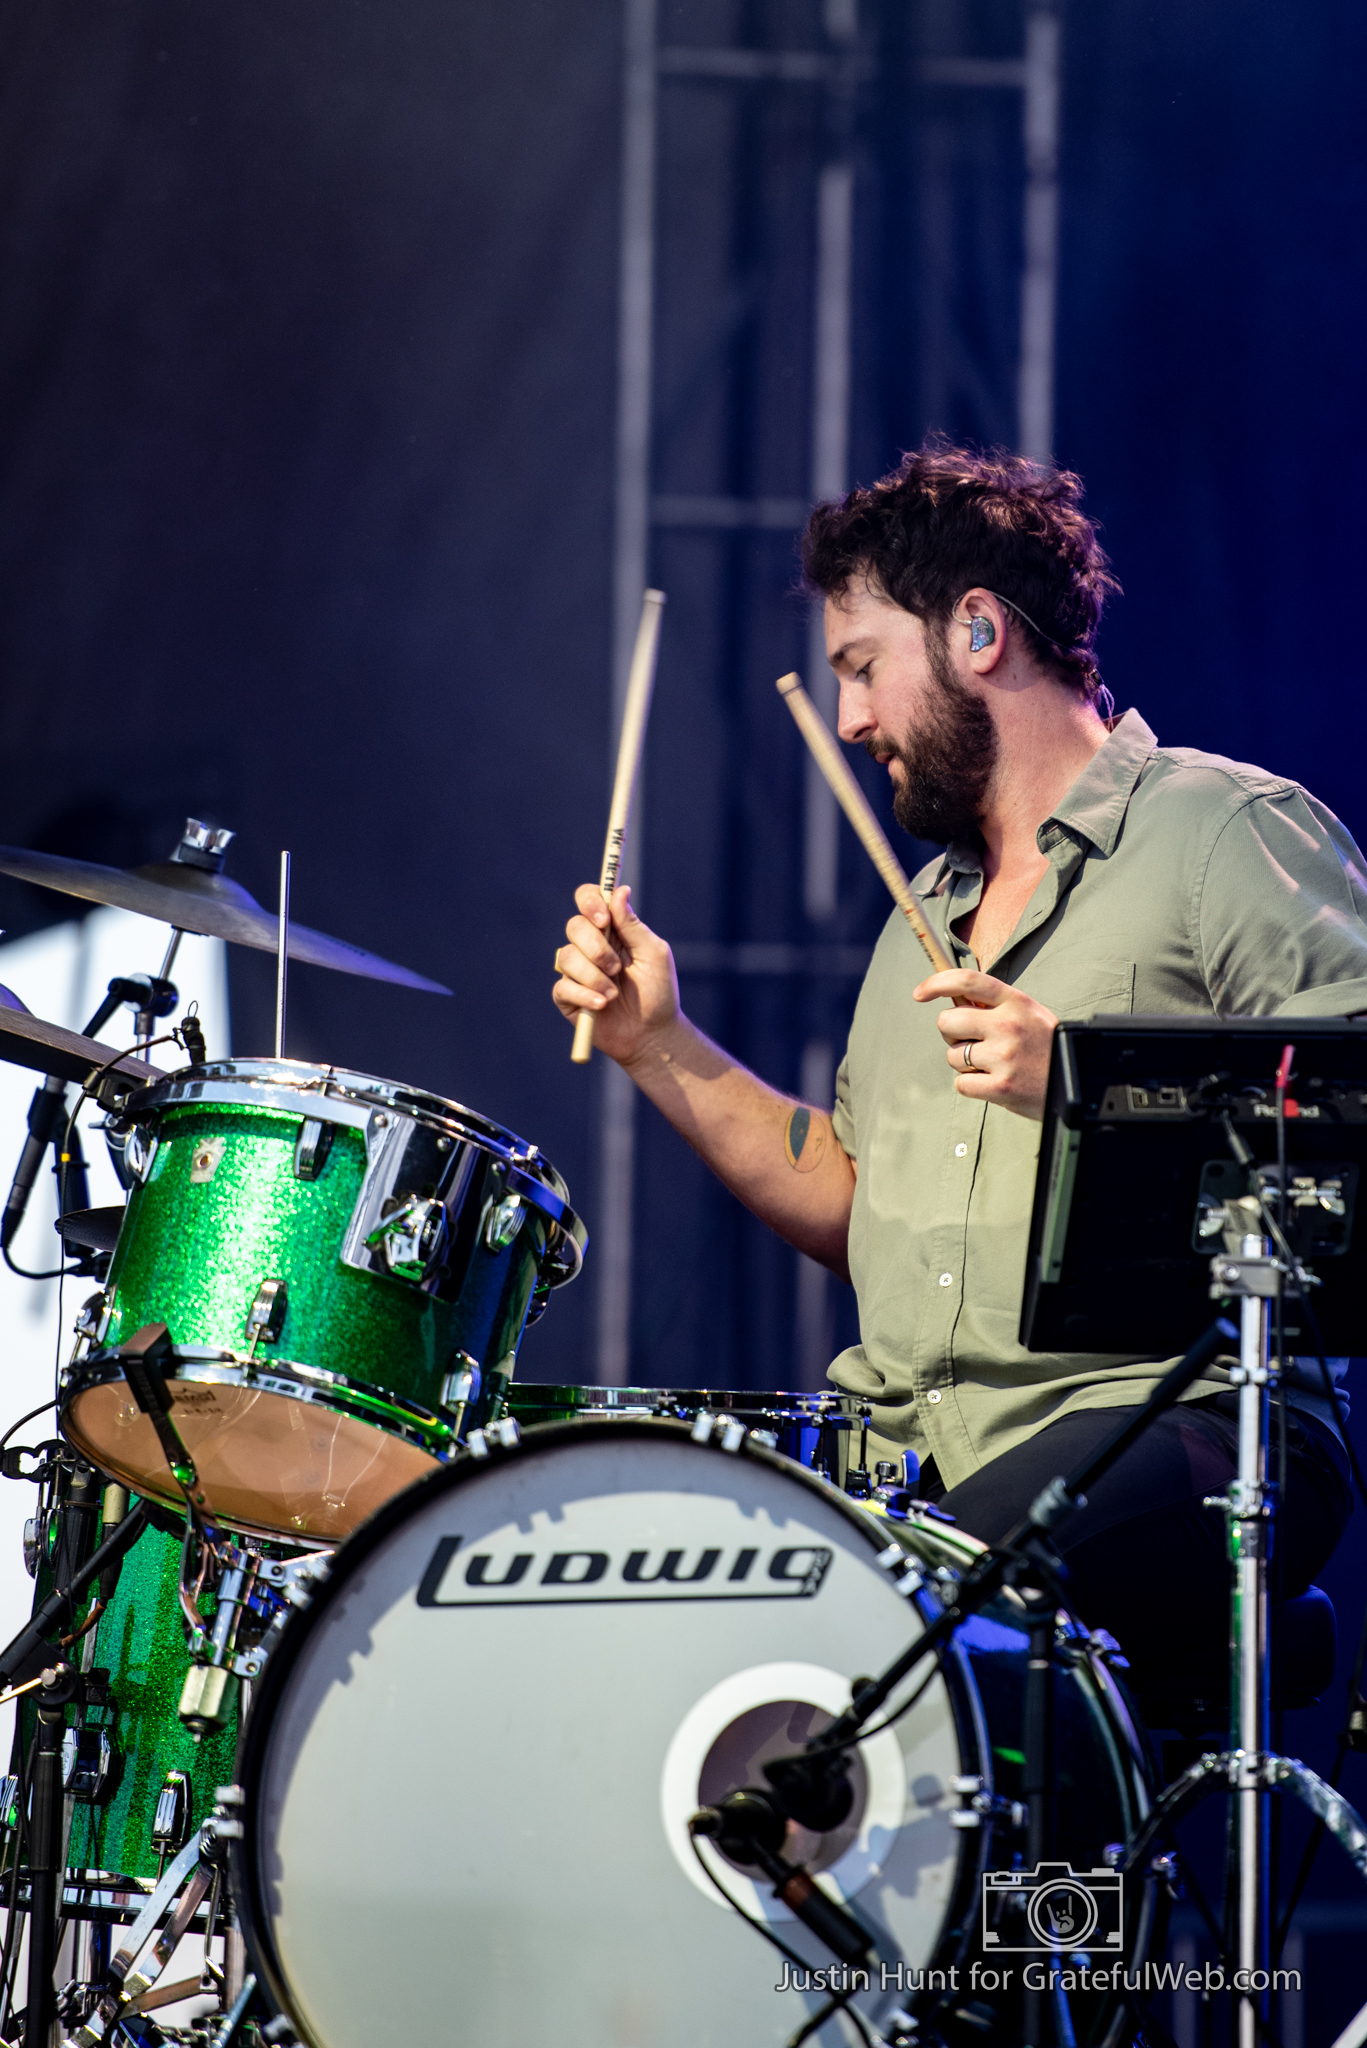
(340, 1262)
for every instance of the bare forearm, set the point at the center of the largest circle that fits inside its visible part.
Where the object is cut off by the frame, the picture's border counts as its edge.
(780, 1157)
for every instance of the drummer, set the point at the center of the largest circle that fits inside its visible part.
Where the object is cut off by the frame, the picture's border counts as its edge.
(1087, 869)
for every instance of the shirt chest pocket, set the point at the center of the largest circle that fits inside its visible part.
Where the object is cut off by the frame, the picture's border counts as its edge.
(1077, 985)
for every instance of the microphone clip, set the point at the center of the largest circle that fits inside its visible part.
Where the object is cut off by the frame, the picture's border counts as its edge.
(749, 1827)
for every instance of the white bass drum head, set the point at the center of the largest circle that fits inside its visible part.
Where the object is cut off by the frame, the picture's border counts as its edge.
(470, 1766)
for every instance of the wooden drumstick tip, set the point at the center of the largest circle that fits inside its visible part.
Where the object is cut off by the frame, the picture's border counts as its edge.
(583, 1038)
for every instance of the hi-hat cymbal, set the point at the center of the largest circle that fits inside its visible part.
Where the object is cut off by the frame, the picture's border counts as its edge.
(195, 900)
(27, 1041)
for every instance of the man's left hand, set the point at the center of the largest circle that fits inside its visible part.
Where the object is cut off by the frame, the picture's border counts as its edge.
(999, 1050)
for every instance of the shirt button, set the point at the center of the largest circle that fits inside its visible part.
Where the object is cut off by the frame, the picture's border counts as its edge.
(935, 1395)
(946, 1279)
(959, 1151)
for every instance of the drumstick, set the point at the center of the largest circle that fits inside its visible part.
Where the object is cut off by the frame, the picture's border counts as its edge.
(635, 712)
(858, 810)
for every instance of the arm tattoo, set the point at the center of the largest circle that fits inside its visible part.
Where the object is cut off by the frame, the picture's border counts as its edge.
(804, 1139)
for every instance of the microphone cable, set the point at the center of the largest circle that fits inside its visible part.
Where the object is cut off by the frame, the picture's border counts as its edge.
(841, 2001)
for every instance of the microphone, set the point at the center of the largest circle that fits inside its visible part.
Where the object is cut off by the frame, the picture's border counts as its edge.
(45, 1114)
(749, 1826)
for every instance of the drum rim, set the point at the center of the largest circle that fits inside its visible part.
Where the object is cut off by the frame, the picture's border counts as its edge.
(783, 1406)
(960, 1690)
(527, 1171)
(344, 1084)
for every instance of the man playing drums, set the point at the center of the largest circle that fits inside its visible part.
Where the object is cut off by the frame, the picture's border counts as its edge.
(1087, 869)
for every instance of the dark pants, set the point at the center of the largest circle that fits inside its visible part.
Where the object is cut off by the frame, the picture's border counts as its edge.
(1146, 1560)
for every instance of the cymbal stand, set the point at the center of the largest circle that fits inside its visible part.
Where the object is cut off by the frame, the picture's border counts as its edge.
(282, 955)
(45, 1864)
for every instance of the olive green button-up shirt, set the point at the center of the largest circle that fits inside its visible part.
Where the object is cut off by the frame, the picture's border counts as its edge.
(1179, 883)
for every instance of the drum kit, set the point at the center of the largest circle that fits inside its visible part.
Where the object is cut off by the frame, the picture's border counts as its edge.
(415, 1703)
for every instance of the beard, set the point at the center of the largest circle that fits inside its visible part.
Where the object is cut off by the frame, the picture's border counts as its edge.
(947, 757)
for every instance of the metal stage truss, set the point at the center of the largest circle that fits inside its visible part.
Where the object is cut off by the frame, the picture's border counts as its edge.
(891, 172)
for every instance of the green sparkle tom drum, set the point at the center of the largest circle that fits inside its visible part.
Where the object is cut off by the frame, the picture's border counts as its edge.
(338, 1260)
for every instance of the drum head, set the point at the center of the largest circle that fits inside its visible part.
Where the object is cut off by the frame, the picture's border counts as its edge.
(268, 1463)
(471, 1765)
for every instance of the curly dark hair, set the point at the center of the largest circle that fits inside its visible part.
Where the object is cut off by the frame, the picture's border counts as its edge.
(949, 518)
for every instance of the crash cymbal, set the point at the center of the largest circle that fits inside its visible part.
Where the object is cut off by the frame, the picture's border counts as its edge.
(27, 1041)
(194, 897)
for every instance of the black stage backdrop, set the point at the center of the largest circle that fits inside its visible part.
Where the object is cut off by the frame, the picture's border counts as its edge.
(306, 399)
(307, 357)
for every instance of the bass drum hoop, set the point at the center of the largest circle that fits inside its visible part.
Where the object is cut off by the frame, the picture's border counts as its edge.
(969, 1726)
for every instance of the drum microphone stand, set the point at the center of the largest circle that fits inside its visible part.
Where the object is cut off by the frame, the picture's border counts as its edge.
(151, 997)
(808, 1787)
(812, 1787)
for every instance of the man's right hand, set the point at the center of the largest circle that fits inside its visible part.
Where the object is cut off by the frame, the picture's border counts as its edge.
(615, 966)
(781, 1158)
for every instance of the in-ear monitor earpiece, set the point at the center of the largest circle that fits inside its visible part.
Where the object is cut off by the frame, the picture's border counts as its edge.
(981, 633)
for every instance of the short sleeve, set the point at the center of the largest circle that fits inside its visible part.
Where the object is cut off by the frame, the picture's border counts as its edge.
(842, 1116)
(1282, 913)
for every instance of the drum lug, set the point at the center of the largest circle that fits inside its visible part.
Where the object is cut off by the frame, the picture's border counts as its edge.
(980, 1804)
(460, 1389)
(894, 1559)
(730, 1433)
(88, 1761)
(91, 1318)
(504, 1220)
(266, 1315)
(171, 1821)
(312, 1146)
(139, 1151)
(499, 1436)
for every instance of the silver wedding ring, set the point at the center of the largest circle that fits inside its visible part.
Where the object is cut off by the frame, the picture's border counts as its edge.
(968, 1054)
